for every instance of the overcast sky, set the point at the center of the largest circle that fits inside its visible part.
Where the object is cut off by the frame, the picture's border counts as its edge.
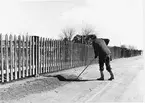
(119, 20)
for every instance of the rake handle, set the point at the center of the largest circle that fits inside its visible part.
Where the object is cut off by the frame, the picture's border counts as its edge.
(85, 68)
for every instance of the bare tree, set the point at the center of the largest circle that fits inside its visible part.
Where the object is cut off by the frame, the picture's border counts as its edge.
(131, 47)
(123, 46)
(88, 29)
(67, 33)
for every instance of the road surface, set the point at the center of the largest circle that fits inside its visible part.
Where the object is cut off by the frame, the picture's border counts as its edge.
(126, 87)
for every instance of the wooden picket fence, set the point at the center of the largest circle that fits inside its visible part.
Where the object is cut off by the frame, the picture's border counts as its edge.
(27, 56)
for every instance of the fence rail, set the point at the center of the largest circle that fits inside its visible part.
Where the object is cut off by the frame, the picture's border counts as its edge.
(26, 56)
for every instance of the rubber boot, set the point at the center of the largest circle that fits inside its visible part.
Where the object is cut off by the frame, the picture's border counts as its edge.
(102, 76)
(111, 74)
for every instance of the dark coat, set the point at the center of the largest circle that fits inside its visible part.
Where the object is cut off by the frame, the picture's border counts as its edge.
(100, 47)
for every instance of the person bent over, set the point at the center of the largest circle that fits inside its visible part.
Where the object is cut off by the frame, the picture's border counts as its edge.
(102, 51)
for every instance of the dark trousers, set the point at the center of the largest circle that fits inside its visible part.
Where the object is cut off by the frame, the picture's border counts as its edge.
(105, 60)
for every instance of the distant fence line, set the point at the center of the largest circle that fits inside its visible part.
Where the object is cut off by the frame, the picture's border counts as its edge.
(26, 56)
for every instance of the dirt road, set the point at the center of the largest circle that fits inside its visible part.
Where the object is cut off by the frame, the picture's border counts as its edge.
(127, 86)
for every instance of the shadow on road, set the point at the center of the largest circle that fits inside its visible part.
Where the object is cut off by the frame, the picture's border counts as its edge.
(70, 78)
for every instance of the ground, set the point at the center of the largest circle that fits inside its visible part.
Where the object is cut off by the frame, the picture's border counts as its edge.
(62, 87)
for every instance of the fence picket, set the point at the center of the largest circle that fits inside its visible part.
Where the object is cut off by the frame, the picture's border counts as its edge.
(51, 43)
(11, 58)
(6, 58)
(55, 69)
(71, 54)
(30, 56)
(33, 66)
(49, 47)
(19, 56)
(46, 55)
(23, 59)
(54, 55)
(35, 55)
(59, 55)
(39, 66)
(15, 57)
(38, 55)
(41, 55)
(51, 55)
(2, 59)
(62, 55)
(27, 55)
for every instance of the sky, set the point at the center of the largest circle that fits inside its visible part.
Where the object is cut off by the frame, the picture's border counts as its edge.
(119, 20)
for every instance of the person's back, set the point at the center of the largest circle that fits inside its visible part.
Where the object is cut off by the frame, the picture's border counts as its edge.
(101, 47)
